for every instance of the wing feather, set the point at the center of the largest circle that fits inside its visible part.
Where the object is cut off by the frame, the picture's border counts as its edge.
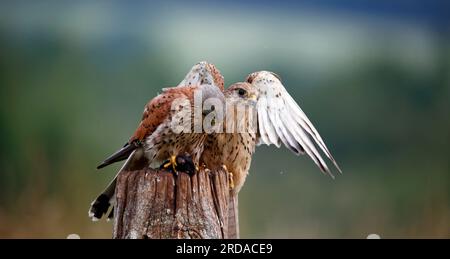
(270, 122)
(304, 141)
(294, 145)
(286, 139)
(262, 118)
(306, 124)
(281, 120)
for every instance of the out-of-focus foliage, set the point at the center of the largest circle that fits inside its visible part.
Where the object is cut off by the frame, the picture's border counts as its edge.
(74, 78)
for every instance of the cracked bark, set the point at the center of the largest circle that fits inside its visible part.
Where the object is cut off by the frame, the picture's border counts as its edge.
(157, 204)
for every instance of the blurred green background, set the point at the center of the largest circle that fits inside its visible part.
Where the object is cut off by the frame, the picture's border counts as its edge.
(373, 76)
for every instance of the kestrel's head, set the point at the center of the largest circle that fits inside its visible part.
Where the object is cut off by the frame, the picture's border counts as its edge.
(262, 75)
(241, 92)
(204, 73)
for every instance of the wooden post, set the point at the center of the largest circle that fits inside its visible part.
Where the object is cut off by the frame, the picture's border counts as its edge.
(158, 204)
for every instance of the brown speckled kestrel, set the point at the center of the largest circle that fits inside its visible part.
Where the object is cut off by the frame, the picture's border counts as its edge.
(277, 119)
(155, 140)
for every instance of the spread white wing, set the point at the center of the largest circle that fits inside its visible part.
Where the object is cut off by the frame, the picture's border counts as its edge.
(281, 120)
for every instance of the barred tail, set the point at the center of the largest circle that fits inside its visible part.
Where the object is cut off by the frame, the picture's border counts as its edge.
(101, 204)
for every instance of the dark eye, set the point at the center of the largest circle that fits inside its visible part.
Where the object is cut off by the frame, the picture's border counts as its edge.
(242, 92)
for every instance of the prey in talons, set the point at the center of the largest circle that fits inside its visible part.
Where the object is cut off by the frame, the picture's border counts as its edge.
(180, 163)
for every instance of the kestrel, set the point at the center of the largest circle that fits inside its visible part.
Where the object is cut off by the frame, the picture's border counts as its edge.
(278, 119)
(281, 120)
(155, 141)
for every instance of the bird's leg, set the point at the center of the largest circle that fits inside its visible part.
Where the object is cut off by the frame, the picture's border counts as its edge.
(172, 162)
(180, 163)
(230, 177)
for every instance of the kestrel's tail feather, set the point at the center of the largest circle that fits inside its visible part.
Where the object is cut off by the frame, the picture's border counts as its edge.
(233, 217)
(119, 155)
(101, 204)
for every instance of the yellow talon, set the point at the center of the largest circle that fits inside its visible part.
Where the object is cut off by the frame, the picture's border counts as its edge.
(231, 176)
(231, 181)
(172, 162)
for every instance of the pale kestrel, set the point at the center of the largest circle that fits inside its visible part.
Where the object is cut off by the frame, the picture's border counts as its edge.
(276, 118)
(155, 140)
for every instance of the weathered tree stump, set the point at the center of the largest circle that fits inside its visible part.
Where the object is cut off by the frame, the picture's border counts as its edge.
(158, 204)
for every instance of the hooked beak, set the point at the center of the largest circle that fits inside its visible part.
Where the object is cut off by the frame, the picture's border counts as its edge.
(253, 99)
